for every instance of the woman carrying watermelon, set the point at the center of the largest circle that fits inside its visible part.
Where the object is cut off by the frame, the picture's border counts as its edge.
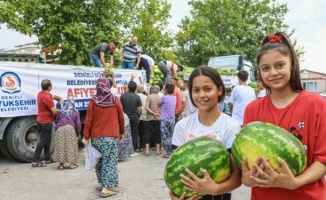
(300, 112)
(206, 90)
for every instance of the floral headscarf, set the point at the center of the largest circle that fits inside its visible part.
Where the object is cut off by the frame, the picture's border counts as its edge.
(68, 107)
(103, 96)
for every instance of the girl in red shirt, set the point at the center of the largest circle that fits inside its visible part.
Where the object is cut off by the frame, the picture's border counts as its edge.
(300, 112)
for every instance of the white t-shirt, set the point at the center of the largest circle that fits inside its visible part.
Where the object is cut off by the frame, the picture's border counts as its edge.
(261, 93)
(189, 108)
(114, 92)
(224, 130)
(241, 96)
(149, 59)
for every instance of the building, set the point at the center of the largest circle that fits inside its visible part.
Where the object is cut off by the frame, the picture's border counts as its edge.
(30, 52)
(313, 81)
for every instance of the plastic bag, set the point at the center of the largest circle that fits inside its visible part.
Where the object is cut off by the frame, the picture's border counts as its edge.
(92, 157)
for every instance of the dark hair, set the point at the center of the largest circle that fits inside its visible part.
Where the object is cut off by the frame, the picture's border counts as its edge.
(45, 84)
(186, 82)
(116, 43)
(132, 86)
(243, 75)
(209, 72)
(169, 88)
(160, 84)
(181, 67)
(285, 47)
(176, 79)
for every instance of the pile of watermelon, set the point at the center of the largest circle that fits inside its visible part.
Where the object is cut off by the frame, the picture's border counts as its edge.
(200, 152)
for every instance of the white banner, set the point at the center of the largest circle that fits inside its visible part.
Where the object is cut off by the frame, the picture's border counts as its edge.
(21, 82)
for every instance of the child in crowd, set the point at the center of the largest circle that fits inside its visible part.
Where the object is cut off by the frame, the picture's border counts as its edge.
(300, 112)
(206, 91)
(168, 103)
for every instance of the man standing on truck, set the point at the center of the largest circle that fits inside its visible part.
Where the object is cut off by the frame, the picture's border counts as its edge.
(130, 54)
(45, 117)
(98, 53)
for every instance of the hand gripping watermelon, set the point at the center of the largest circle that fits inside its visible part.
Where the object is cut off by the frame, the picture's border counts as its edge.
(270, 141)
(201, 152)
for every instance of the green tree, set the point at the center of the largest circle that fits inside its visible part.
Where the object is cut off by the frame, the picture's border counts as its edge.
(151, 27)
(78, 25)
(226, 27)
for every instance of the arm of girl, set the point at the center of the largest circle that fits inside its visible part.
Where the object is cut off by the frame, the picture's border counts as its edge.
(207, 185)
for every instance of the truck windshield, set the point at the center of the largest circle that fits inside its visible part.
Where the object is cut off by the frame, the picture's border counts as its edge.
(224, 62)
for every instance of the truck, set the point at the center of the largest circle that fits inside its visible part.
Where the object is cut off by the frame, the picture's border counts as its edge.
(234, 63)
(19, 86)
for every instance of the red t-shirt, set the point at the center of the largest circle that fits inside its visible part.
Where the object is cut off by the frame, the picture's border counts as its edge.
(44, 105)
(305, 117)
(177, 94)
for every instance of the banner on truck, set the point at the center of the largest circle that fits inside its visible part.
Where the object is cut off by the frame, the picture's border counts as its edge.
(21, 82)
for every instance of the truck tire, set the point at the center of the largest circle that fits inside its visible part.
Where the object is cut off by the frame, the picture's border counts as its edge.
(22, 138)
(4, 149)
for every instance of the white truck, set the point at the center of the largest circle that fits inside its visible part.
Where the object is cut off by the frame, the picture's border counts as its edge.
(234, 63)
(20, 84)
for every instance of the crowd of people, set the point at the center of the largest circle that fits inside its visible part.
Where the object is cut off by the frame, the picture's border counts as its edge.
(123, 126)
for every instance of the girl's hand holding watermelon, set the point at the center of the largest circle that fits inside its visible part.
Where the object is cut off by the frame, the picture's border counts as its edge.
(183, 196)
(284, 179)
(205, 185)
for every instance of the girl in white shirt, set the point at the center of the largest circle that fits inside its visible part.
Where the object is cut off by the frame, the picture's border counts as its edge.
(206, 91)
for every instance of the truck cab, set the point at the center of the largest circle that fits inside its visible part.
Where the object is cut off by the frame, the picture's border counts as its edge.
(234, 63)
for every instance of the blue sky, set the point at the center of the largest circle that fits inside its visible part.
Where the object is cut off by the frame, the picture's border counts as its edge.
(308, 17)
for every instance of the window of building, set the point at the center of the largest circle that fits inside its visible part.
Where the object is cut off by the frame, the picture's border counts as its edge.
(26, 60)
(6, 59)
(32, 60)
(20, 60)
(310, 86)
(13, 60)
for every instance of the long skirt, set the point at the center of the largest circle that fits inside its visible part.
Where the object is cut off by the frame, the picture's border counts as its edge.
(125, 146)
(66, 144)
(106, 168)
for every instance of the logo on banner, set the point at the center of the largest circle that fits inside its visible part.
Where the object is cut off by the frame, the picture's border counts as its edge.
(10, 83)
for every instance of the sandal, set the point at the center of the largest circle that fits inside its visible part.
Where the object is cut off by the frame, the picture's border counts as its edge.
(108, 193)
(165, 156)
(73, 166)
(99, 187)
(38, 164)
(49, 161)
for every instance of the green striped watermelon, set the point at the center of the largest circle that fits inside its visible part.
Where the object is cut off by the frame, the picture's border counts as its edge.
(270, 141)
(202, 151)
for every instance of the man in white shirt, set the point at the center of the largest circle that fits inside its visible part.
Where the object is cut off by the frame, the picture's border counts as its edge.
(147, 63)
(241, 96)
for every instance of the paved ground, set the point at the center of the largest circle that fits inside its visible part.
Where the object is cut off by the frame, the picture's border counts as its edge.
(141, 178)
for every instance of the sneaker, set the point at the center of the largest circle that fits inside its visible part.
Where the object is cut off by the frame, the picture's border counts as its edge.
(134, 154)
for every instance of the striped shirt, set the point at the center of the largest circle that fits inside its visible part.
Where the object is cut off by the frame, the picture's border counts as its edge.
(151, 102)
(131, 53)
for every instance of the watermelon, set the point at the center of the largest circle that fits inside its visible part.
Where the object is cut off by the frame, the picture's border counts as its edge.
(270, 141)
(200, 152)
(157, 71)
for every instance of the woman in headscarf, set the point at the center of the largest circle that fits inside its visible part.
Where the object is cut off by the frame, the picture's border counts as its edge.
(105, 126)
(68, 128)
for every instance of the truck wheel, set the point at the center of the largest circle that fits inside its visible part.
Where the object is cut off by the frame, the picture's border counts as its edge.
(22, 138)
(4, 149)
